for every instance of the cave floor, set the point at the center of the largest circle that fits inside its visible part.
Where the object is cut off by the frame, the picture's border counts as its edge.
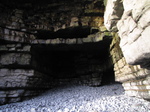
(77, 98)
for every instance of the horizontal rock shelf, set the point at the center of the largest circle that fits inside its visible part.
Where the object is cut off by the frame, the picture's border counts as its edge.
(23, 37)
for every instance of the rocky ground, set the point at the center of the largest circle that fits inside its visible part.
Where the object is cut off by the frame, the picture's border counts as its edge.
(108, 98)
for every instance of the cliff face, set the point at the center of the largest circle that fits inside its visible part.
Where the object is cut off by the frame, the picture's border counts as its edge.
(47, 43)
(132, 25)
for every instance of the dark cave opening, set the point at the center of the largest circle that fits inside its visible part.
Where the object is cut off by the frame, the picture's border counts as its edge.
(86, 64)
(67, 33)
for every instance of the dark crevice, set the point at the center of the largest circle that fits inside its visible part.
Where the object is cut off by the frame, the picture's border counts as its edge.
(72, 32)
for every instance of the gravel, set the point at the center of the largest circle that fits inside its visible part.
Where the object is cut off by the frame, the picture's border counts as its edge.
(77, 98)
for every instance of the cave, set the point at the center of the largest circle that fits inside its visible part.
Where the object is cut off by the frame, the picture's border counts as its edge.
(73, 62)
(49, 43)
(79, 62)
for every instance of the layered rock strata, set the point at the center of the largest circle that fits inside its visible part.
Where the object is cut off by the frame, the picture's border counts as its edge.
(27, 68)
(133, 29)
(134, 79)
(130, 53)
(18, 79)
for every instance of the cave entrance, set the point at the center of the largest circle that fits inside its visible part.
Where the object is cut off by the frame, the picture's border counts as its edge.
(86, 64)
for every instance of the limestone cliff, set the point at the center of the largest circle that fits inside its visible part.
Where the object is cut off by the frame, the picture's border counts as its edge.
(132, 26)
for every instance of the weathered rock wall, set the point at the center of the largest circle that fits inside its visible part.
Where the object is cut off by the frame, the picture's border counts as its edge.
(113, 13)
(20, 24)
(51, 16)
(134, 79)
(23, 25)
(134, 32)
(18, 79)
(90, 69)
(131, 52)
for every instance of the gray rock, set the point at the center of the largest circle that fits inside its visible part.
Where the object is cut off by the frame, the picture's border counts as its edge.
(113, 13)
(128, 5)
(145, 19)
(15, 58)
(138, 53)
(3, 48)
(6, 31)
(133, 36)
(139, 8)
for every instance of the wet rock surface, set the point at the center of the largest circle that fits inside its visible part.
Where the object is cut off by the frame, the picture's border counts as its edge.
(75, 98)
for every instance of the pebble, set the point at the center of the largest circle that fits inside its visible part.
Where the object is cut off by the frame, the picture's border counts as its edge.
(77, 98)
